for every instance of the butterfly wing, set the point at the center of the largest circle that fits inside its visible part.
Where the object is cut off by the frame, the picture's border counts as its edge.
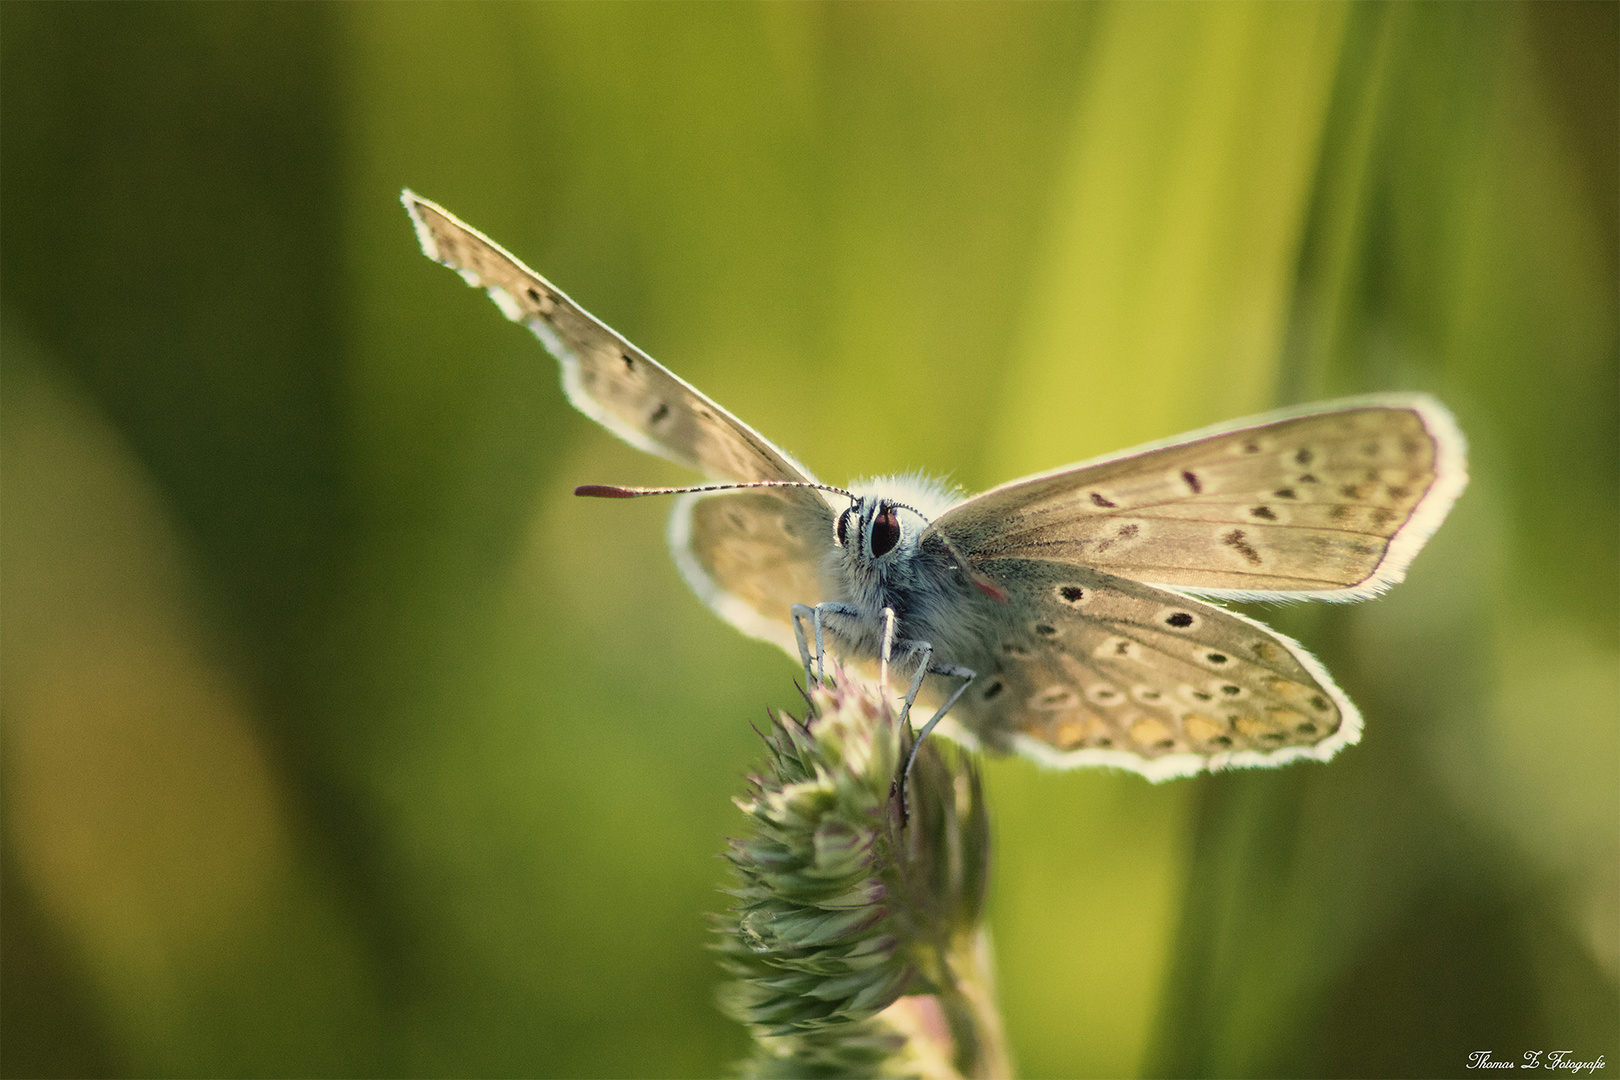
(606, 377)
(1085, 668)
(751, 555)
(1326, 501)
(748, 555)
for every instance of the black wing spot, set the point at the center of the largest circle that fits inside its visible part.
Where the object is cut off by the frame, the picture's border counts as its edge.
(1308, 478)
(1122, 648)
(993, 689)
(1339, 512)
(1100, 501)
(1180, 619)
(1304, 456)
(1319, 703)
(1251, 448)
(1046, 629)
(535, 294)
(659, 413)
(1236, 542)
(1410, 447)
(629, 361)
(1272, 736)
(1151, 695)
(1351, 491)
(1399, 492)
(1202, 696)
(1307, 728)
(1071, 594)
(1128, 531)
(1221, 740)
(1193, 482)
(1216, 658)
(1231, 691)
(1285, 493)
(1165, 744)
(1105, 742)
(1264, 513)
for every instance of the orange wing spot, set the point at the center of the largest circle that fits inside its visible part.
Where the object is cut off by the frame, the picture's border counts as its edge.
(1259, 730)
(1152, 733)
(1202, 728)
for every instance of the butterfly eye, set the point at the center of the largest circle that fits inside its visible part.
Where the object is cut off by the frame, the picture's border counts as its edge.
(885, 532)
(843, 521)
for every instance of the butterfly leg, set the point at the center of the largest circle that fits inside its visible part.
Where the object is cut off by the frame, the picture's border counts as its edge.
(817, 616)
(925, 667)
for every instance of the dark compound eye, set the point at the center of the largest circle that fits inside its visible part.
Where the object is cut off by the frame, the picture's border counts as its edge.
(885, 531)
(843, 521)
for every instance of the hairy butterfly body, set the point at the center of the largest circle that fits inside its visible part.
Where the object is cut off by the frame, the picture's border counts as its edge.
(1055, 616)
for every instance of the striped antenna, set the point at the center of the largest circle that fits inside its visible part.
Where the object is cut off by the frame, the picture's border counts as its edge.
(977, 577)
(608, 491)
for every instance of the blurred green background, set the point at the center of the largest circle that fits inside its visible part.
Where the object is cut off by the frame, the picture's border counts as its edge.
(339, 739)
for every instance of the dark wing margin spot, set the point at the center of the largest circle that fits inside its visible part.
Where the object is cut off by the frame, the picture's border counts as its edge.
(1072, 593)
(1181, 619)
(659, 413)
(1304, 457)
(1264, 513)
(1100, 501)
(1192, 481)
(629, 361)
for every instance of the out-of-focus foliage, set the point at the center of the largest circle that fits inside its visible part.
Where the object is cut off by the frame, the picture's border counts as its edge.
(339, 739)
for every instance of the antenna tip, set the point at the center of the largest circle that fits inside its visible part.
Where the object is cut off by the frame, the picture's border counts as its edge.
(604, 491)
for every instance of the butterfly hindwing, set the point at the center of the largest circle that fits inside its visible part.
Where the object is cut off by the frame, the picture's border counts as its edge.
(751, 555)
(606, 377)
(1090, 669)
(1330, 503)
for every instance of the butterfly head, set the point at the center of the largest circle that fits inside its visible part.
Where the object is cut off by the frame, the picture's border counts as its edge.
(875, 532)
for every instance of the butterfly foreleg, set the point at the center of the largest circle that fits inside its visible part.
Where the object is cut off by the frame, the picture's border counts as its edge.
(817, 616)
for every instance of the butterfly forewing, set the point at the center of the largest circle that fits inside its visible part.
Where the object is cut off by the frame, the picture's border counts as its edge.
(606, 377)
(1093, 669)
(1330, 504)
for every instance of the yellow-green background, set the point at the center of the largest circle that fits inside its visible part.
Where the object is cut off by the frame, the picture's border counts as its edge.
(340, 739)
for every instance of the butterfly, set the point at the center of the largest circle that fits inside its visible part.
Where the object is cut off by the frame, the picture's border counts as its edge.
(1065, 616)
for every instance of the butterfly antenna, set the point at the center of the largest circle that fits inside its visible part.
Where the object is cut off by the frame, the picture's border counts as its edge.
(609, 491)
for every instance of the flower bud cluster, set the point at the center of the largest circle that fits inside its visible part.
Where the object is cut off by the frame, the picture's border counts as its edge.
(844, 904)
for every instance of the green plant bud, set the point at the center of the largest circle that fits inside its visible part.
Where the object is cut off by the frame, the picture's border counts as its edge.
(854, 945)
